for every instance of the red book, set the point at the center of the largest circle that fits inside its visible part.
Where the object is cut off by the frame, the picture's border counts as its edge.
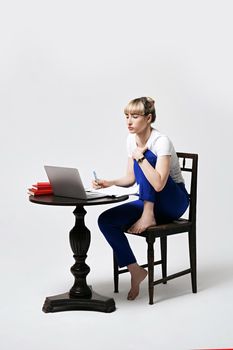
(36, 192)
(42, 185)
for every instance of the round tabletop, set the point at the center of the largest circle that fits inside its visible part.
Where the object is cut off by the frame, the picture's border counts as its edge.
(55, 200)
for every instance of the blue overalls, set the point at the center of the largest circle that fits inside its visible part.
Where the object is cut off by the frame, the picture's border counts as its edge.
(170, 204)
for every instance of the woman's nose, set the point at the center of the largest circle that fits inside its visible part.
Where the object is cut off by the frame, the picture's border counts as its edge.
(130, 120)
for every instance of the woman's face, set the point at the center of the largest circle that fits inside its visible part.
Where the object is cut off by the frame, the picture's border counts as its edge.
(137, 123)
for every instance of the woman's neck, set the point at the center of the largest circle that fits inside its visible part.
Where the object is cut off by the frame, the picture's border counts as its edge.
(142, 138)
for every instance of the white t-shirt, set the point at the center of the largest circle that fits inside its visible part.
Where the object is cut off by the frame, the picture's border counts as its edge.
(160, 145)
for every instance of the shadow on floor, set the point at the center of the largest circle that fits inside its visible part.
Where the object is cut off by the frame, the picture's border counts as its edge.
(208, 277)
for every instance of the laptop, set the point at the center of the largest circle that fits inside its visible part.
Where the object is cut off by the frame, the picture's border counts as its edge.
(66, 182)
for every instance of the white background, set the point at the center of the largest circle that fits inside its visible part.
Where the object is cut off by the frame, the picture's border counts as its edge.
(67, 70)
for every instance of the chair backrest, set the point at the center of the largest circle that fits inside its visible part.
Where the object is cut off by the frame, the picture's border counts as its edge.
(193, 185)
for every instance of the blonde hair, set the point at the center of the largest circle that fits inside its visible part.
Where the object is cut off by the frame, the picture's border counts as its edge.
(141, 106)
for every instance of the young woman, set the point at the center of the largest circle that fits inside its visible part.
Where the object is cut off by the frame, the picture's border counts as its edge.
(154, 165)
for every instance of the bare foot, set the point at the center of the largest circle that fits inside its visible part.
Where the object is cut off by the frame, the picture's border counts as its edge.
(142, 224)
(138, 274)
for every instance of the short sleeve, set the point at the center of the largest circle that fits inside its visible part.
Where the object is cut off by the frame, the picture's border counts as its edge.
(129, 146)
(162, 146)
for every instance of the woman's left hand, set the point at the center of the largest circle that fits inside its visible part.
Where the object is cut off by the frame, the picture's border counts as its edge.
(139, 152)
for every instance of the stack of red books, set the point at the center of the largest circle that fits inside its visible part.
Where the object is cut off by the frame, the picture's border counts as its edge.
(40, 189)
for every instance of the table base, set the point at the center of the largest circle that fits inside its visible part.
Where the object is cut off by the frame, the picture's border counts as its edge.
(63, 302)
(80, 296)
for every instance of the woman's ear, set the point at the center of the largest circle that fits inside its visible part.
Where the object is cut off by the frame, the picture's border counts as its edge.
(149, 118)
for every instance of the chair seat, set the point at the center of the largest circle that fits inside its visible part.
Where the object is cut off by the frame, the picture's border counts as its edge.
(174, 227)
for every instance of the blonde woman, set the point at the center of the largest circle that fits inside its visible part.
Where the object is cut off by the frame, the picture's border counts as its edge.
(153, 164)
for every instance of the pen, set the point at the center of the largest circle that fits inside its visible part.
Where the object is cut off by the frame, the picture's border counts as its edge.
(95, 176)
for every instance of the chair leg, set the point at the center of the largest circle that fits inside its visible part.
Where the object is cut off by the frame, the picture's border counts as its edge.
(150, 261)
(193, 258)
(116, 274)
(163, 247)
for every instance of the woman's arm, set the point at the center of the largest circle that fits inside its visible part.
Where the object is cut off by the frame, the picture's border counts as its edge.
(129, 178)
(157, 176)
(125, 181)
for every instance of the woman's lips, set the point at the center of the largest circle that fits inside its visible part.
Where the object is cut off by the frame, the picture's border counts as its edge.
(130, 128)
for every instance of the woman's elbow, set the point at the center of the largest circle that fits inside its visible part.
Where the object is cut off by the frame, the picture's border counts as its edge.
(158, 187)
(131, 181)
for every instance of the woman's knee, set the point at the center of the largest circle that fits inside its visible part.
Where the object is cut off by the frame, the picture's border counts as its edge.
(121, 216)
(110, 217)
(104, 219)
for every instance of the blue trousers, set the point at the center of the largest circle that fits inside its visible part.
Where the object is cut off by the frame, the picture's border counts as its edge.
(170, 204)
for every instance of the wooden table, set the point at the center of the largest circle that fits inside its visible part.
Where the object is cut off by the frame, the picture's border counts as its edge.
(81, 296)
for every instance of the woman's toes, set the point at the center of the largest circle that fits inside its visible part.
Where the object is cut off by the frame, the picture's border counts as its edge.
(133, 293)
(135, 283)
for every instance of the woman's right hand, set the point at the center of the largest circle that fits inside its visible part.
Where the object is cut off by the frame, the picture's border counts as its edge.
(101, 184)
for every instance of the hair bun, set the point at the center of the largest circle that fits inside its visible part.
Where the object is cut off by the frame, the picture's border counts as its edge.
(150, 100)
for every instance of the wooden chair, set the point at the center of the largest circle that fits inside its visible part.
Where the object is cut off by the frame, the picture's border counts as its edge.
(164, 230)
